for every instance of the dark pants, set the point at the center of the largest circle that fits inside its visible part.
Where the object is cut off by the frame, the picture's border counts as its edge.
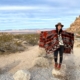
(60, 52)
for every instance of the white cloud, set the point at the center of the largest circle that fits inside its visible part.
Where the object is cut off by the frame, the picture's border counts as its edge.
(17, 7)
(40, 7)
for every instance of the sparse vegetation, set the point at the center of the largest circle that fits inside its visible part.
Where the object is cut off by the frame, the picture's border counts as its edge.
(10, 43)
(79, 34)
(31, 39)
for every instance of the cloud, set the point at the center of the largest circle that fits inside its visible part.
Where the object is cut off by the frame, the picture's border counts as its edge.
(39, 8)
(65, 2)
(38, 13)
(17, 7)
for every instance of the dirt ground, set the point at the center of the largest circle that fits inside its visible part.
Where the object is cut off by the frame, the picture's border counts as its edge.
(14, 62)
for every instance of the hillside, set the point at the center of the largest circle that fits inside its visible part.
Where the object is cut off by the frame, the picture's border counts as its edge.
(75, 26)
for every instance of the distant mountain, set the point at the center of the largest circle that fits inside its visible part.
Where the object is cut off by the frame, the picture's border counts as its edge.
(22, 31)
(75, 26)
(26, 30)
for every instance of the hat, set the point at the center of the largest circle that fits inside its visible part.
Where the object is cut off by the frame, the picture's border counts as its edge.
(59, 24)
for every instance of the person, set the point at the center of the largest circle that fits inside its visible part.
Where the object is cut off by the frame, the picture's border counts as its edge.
(57, 41)
(60, 50)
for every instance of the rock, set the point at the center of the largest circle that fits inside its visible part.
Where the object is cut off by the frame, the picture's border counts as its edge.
(42, 52)
(56, 72)
(6, 76)
(61, 72)
(22, 75)
(41, 62)
(75, 26)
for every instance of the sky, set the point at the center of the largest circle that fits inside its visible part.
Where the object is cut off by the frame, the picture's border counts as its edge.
(32, 14)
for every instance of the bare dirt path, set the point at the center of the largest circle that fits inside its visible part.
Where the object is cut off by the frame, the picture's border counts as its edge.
(14, 62)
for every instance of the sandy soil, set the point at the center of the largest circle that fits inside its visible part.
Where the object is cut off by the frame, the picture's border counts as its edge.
(17, 61)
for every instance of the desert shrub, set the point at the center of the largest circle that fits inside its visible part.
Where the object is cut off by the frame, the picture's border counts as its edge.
(32, 38)
(79, 34)
(6, 38)
(19, 36)
(10, 47)
(18, 43)
(10, 43)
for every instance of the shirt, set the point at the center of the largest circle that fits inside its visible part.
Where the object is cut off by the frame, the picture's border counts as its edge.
(60, 40)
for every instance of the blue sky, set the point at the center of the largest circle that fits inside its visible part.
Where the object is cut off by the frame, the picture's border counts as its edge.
(31, 14)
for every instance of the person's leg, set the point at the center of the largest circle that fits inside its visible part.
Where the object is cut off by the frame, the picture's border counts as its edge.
(61, 54)
(56, 57)
(61, 50)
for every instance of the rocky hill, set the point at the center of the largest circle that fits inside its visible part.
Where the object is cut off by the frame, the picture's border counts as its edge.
(75, 26)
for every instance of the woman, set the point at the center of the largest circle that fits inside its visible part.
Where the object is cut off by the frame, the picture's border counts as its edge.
(60, 50)
(57, 42)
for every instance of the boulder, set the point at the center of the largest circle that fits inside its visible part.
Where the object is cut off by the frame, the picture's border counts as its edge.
(42, 52)
(75, 26)
(41, 62)
(61, 72)
(22, 75)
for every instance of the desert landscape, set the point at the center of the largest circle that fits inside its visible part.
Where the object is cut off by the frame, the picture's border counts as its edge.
(21, 52)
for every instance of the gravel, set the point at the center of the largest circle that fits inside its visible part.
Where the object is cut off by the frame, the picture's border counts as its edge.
(6, 76)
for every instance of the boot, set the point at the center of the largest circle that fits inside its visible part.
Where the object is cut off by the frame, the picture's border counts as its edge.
(59, 66)
(56, 64)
